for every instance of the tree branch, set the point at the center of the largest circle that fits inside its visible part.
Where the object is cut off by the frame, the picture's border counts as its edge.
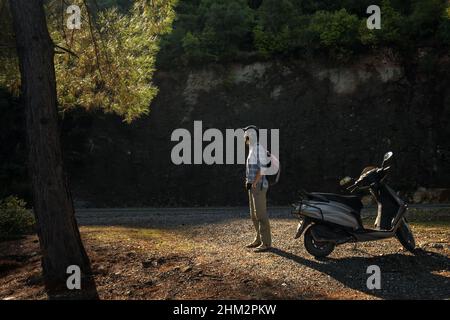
(97, 54)
(66, 50)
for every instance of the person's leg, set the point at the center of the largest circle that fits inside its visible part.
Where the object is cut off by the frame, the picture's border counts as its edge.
(259, 197)
(251, 202)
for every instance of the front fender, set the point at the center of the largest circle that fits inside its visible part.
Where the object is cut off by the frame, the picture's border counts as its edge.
(302, 225)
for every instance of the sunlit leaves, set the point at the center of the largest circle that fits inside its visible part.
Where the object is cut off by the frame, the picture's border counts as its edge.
(114, 57)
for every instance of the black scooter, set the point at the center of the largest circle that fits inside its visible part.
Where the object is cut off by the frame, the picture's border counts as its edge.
(332, 219)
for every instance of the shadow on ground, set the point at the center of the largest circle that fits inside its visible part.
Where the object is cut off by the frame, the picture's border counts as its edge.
(403, 276)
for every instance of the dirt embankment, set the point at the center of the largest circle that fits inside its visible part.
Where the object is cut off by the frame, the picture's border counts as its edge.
(334, 120)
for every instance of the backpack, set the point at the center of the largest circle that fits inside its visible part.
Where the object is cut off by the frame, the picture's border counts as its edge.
(275, 164)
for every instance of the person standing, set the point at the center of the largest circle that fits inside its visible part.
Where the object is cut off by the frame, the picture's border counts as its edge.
(257, 185)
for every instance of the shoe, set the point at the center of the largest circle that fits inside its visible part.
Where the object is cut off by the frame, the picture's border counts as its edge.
(262, 248)
(254, 244)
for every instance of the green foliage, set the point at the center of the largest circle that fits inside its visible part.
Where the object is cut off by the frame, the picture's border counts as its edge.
(117, 53)
(120, 4)
(268, 42)
(222, 30)
(336, 31)
(114, 57)
(15, 219)
(171, 44)
(279, 27)
(426, 17)
(335, 27)
(425, 24)
(192, 46)
(208, 30)
(393, 26)
(275, 15)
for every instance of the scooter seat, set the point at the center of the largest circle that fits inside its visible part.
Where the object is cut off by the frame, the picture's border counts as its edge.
(353, 202)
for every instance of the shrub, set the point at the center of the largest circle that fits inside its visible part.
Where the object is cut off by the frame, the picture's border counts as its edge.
(420, 23)
(15, 219)
(268, 42)
(278, 23)
(208, 30)
(425, 18)
(336, 32)
(223, 30)
(227, 26)
(191, 46)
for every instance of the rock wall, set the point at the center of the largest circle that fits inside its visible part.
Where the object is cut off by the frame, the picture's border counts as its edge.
(333, 121)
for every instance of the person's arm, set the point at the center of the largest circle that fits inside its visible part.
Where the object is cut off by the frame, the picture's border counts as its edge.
(257, 178)
(253, 175)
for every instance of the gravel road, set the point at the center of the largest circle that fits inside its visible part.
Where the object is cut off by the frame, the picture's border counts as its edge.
(176, 217)
(216, 237)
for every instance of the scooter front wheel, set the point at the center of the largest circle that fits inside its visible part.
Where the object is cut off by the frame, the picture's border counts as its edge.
(406, 237)
(318, 249)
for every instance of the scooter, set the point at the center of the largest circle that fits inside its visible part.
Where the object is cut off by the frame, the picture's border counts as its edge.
(328, 220)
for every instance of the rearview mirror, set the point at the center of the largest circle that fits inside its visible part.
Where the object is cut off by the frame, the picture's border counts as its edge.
(345, 180)
(387, 156)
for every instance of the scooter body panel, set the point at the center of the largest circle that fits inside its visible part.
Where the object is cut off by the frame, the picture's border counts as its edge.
(331, 212)
(372, 235)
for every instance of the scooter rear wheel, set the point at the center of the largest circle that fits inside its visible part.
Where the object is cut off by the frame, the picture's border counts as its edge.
(318, 249)
(406, 237)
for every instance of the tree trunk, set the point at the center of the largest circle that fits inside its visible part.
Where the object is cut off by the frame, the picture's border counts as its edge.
(57, 228)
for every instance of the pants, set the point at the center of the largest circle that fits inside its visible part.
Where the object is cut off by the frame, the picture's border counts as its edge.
(258, 213)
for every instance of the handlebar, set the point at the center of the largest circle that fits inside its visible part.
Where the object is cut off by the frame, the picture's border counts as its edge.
(354, 186)
(373, 176)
